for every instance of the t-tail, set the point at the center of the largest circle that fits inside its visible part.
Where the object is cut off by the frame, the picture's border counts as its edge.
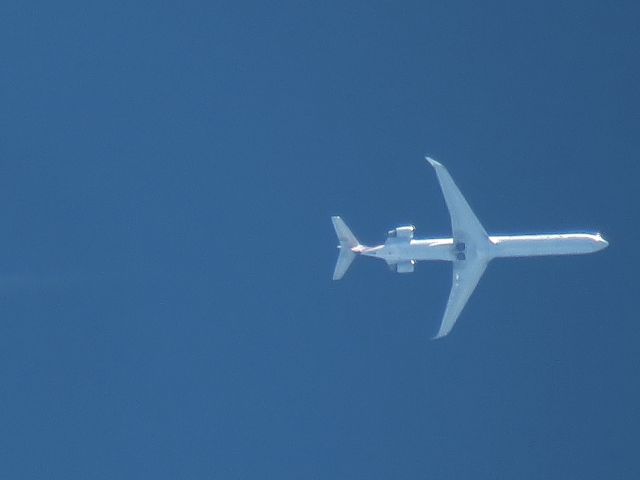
(349, 247)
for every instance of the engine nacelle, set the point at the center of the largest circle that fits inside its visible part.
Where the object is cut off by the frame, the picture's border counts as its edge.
(404, 267)
(402, 232)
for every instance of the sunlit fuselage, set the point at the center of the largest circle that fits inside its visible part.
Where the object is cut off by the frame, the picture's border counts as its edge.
(498, 246)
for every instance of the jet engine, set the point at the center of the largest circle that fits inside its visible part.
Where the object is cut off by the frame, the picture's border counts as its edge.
(403, 267)
(402, 232)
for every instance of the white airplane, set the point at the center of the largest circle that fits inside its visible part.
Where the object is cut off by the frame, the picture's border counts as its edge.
(470, 249)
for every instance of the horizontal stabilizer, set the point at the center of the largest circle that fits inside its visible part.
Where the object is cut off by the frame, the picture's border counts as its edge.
(345, 258)
(347, 242)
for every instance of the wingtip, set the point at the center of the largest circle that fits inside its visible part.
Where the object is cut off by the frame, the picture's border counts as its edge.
(438, 336)
(433, 162)
(442, 332)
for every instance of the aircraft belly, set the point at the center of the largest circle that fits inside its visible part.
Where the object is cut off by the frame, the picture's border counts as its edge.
(437, 250)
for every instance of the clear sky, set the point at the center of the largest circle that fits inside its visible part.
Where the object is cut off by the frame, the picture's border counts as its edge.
(167, 175)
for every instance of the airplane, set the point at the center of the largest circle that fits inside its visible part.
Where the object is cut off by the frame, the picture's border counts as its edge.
(469, 250)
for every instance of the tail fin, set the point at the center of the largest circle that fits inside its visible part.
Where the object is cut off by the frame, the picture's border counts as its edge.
(347, 242)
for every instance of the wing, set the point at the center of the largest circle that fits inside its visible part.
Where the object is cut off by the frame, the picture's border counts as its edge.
(471, 239)
(466, 275)
(465, 225)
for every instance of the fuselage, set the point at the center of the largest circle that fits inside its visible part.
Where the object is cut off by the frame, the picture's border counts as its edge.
(402, 250)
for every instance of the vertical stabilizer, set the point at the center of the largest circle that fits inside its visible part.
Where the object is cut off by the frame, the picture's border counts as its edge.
(348, 241)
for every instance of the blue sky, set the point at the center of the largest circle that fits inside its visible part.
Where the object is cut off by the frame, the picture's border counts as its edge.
(167, 174)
